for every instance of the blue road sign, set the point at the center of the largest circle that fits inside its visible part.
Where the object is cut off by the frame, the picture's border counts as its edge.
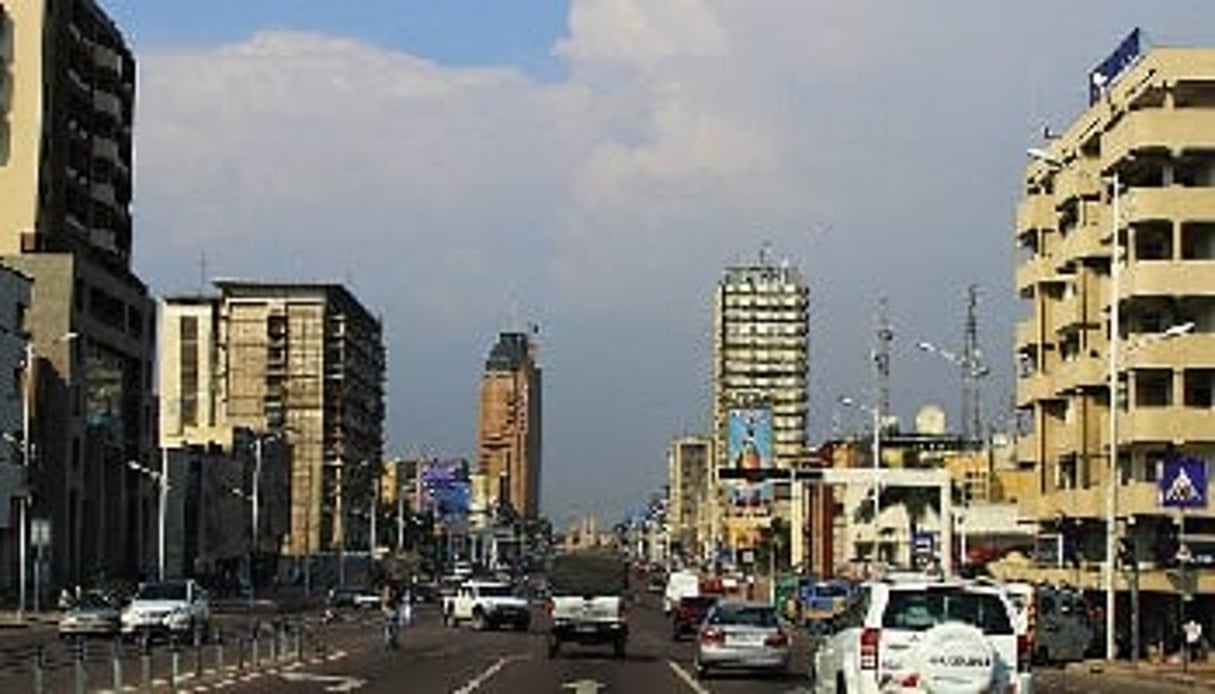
(1184, 483)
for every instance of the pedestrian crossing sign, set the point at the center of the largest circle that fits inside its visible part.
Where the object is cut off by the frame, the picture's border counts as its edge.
(1184, 483)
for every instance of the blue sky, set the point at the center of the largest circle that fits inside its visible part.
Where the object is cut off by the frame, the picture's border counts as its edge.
(454, 32)
(591, 166)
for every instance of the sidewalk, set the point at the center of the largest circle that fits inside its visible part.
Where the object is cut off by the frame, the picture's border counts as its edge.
(1199, 675)
(10, 620)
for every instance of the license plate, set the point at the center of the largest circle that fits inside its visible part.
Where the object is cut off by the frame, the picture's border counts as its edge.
(746, 640)
(587, 628)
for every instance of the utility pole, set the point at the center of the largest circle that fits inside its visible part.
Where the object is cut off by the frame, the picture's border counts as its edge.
(881, 405)
(972, 369)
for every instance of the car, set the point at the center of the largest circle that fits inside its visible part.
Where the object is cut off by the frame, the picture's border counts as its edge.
(94, 613)
(353, 597)
(487, 605)
(588, 601)
(1056, 621)
(742, 636)
(689, 612)
(924, 634)
(679, 584)
(179, 608)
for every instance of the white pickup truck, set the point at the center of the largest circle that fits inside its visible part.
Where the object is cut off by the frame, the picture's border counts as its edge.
(588, 601)
(486, 605)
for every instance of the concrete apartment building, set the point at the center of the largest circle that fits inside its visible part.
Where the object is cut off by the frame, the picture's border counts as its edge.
(761, 347)
(690, 494)
(510, 422)
(67, 91)
(1152, 131)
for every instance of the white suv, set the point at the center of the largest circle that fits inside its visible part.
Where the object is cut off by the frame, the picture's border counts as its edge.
(924, 635)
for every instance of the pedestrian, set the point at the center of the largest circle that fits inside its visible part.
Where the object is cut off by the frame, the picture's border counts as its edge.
(388, 606)
(405, 608)
(1193, 638)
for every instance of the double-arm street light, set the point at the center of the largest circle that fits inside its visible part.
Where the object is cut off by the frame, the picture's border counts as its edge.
(161, 478)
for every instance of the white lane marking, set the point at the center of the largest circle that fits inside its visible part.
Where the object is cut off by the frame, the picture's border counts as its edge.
(488, 673)
(687, 679)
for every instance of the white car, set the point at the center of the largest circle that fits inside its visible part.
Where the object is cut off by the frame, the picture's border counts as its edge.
(487, 605)
(924, 635)
(177, 608)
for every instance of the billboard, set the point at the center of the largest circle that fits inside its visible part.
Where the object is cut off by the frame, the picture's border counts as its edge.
(445, 490)
(1116, 63)
(749, 447)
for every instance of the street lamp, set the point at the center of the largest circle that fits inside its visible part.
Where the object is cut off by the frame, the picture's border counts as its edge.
(877, 464)
(161, 478)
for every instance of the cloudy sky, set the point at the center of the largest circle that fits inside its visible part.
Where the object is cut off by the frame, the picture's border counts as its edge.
(468, 166)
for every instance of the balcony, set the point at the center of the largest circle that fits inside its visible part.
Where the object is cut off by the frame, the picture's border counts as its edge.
(1087, 241)
(1035, 271)
(1174, 424)
(1027, 449)
(1067, 314)
(109, 104)
(1076, 182)
(104, 193)
(1193, 350)
(1165, 204)
(107, 150)
(1169, 278)
(1084, 372)
(1035, 212)
(1034, 388)
(1169, 130)
(106, 59)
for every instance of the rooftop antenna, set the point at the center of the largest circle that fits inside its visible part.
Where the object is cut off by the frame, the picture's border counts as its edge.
(972, 368)
(765, 249)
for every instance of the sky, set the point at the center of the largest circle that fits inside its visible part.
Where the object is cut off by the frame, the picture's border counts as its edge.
(472, 166)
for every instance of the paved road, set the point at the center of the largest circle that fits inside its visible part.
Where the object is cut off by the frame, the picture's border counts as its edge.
(349, 656)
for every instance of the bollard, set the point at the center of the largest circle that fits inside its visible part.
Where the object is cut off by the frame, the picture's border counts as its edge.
(175, 663)
(198, 653)
(273, 642)
(240, 653)
(219, 651)
(80, 673)
(254, 654)
(40, 670)
(299, 643)
(116, 663)
(145, 667)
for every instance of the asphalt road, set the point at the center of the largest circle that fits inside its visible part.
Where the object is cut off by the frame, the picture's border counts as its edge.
(349, 656)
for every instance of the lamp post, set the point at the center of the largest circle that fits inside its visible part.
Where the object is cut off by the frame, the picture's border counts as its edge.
(161, 478)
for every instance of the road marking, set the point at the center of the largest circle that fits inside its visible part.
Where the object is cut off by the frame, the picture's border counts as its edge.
(333, 683)
(583, 686)
(687, 679)
(488, 673)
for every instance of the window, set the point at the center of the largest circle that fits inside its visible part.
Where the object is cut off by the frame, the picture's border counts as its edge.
(188, 399)
(922, 610)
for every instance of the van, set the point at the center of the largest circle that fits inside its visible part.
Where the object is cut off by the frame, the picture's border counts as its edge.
(680, 584)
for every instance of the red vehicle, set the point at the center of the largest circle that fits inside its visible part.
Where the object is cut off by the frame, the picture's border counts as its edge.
(689, 612)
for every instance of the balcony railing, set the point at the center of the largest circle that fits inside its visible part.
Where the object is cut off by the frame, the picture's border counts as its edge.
(1171, 130)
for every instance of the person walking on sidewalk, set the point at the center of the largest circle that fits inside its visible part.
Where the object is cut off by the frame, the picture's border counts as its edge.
(1193, 639)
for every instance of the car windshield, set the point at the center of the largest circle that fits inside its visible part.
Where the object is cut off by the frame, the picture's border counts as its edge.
(93, 601)
(588, 573)
(922, 610)
(161, 591)
(744, 615)
(495, 591)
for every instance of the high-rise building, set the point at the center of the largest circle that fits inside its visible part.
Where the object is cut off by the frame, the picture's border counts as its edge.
(308, 361)
(760, 403)
(67, 92)
(690, 494)
(509, 424)
(1116, 232)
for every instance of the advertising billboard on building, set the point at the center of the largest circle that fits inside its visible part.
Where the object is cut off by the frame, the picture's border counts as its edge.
(445, 490)
(749, 447)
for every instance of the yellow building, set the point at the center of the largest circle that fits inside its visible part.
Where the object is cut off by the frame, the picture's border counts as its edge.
(509, 424)
(1141, 160)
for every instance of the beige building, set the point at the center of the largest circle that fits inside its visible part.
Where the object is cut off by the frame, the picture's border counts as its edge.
(761, 346)
(67, 90)
(509, 424)
(1152, 133)
(690, 494)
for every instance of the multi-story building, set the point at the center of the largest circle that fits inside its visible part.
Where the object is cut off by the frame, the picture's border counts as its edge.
(307, 361)
(14, 301)
(761, 346)
(1117, 244)
(509, 424)
(67, 91)
(689, 473)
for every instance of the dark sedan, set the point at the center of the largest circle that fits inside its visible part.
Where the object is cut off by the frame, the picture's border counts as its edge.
(689, 612)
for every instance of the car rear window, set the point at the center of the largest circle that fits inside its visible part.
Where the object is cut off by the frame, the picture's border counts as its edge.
(919, 611)
(744, 615)
(701, 602)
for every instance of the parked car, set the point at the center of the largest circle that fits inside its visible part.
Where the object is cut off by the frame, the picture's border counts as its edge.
(924, 634)
(92, 614)
(175, 608)
(353, 596)
(744, 635)
(689, 612)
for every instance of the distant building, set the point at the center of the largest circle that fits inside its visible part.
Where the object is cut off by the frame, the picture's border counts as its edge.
(690, 490)
(14, 302)
(509, 424)
(67, 99)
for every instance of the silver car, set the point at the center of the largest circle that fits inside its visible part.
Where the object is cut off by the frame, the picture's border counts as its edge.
(94, 614)
(744, 636)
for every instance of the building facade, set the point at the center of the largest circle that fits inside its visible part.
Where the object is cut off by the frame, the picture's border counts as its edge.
(307, 362)
(690, 494)
(65, 191)
(14, 302)
(509, 423)
(1116, 232)
(761, 348)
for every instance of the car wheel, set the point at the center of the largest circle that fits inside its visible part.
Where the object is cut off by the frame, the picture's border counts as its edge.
(554, 647)
(618, 648)
(700, 670)
(479, 623)
(841, 687)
